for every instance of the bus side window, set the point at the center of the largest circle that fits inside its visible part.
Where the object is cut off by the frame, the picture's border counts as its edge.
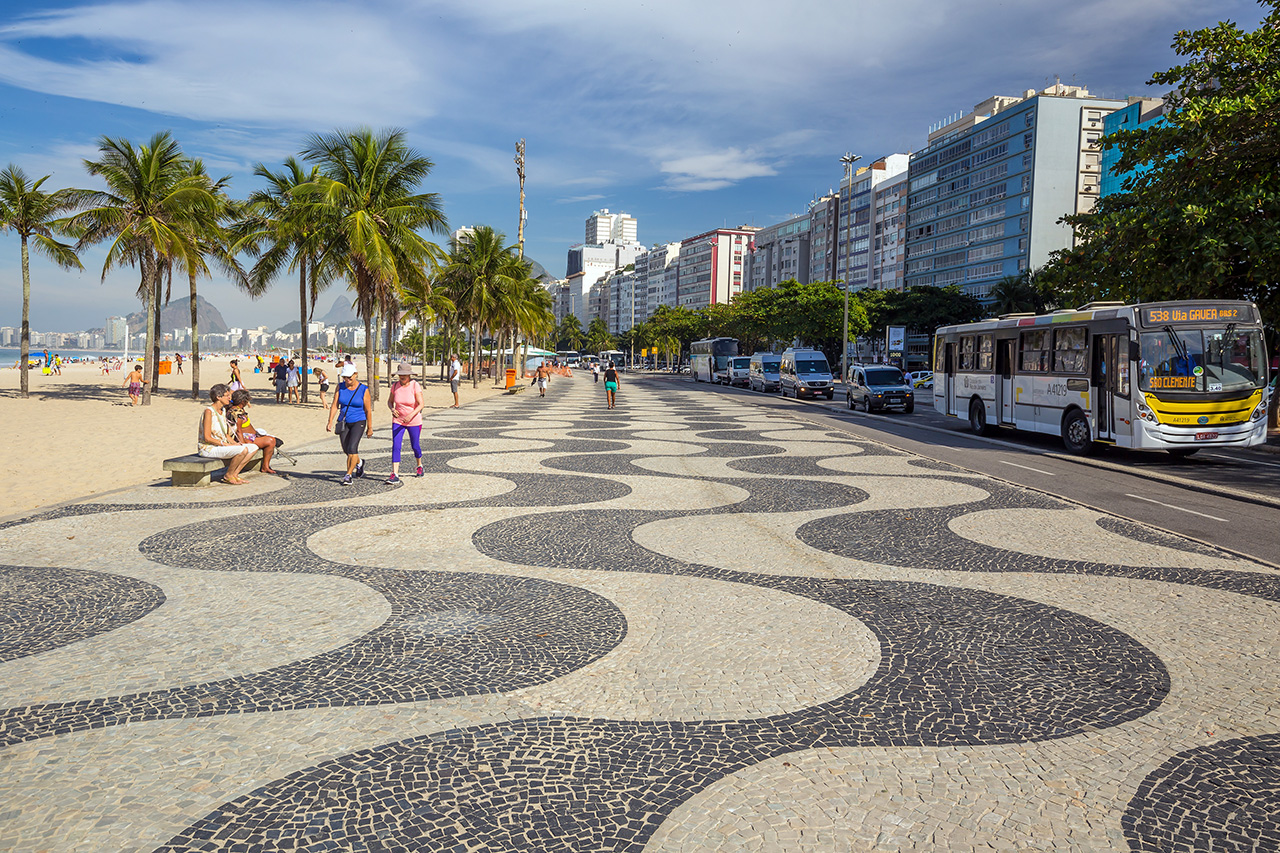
(1034, 352)
(984, 353)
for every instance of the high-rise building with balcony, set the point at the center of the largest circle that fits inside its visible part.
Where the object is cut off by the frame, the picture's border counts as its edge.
(778, 253)
(1139, 113)
(986, 195)
(857, 207)
(610, 245)
(711, 266)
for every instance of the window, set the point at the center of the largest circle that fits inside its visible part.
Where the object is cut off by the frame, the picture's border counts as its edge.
(1026, 160)
(984, 353)
(968, 353)
(1031, 119)
(1026, 140)
(939, 355)
(986, 253)
(1069, 350)
(1033, 352)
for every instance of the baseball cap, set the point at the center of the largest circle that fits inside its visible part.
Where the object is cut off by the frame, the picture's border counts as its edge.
(348, 370)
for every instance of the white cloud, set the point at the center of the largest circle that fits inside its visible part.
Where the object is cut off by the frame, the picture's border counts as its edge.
(579, 199)
(713, 170)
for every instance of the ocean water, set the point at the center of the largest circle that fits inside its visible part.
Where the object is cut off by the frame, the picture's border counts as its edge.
(9, 355)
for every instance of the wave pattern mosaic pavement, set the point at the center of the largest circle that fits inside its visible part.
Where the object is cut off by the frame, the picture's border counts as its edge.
(538, 615)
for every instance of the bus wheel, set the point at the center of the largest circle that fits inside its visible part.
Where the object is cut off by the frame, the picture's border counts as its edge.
(1075, 434)
(978, 418)
(1182, 452)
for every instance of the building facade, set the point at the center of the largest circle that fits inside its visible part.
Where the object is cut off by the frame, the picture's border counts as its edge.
(610, 245)
(857, 206)
(824, 222)
(1138, 114)
(779, 253)
(661, 270)
(711, 266)
(985, 196)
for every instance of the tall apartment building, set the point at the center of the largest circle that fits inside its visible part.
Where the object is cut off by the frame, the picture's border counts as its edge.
(9, 336)
(857, 205)
(1137, 114)
(986, 194)
(606, 227)
(661, 269)
(824, 226)
(711, 266)
(116, 330)
(779, 253)
(610, 245)
(889, 234)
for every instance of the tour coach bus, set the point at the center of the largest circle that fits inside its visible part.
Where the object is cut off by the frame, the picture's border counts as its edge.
(710, 357)
(1173, 376)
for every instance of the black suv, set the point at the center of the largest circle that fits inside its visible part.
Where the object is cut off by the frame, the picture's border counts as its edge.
(879, 386)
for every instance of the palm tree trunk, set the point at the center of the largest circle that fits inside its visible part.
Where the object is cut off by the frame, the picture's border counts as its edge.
(195, 340)
(156, 340)
(24, 348)
(391, 325)
(475, 359)
(369, 362)
(422, 327)
(152, 289)
(302, 315)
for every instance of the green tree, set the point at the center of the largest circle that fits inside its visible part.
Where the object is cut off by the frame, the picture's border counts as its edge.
(369, 189)
(422, 300)
(34, 214)
(1200, 219)
(569, 333)
(151, 198)
(598, 337)
(480, 271)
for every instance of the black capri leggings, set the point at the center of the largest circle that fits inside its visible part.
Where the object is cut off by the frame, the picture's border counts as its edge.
(350, 433)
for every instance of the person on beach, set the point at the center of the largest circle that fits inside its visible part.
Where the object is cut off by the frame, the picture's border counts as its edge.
(543, 376)
(177, 359)
(236, 382)
(455, 378)
(261, 365)
(405, 403)
(57, 364)
(293, 378)
(246, 432)
(323, 379)
(595, 372)
(134, 383)
(281, 376)
(215, 439)
(353, 410)
(611, 384)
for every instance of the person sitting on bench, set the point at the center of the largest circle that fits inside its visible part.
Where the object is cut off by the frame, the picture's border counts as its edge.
(215, 440)
(247, 432)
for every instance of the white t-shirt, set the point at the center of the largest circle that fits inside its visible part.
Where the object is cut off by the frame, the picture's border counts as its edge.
(455, 370)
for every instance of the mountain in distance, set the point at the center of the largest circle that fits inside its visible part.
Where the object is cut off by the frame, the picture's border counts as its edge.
(538, 271)
(177, 315)
(339, 314)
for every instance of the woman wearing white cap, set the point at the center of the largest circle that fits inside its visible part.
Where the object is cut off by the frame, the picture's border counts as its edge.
(354, 412)
(405, 403)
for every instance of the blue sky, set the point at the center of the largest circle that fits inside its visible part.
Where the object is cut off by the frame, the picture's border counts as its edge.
(687, 116)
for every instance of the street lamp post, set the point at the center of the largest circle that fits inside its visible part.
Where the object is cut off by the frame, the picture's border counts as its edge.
(848, 160)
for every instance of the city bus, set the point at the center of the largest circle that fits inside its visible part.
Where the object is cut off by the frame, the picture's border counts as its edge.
(568, 357)
(710, 357)
(614, 355)
(1174, 376)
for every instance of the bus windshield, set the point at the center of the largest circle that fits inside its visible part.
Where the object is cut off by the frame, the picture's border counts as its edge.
(812, 366)
(1209, 360)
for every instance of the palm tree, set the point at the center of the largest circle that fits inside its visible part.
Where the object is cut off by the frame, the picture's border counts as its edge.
(480, 268)
(420, 299)
(598, 337)
(210, 239)
(1014, 294)
(286, 232)
(368, 189)
(151, 197)
(33, 213)
(668, 345)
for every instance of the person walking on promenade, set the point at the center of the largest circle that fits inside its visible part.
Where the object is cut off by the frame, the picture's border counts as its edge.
(323, 379)
(215, 440)
(543, 376)
(134, 383)
(353, 410)
(281, 376)
(236, 382)
(405, 403)
(455, 378)
(595, 372)
(293, 378)
(611, 384)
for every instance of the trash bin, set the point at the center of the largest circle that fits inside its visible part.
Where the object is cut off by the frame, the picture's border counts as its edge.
(165, 367)
(511, 377)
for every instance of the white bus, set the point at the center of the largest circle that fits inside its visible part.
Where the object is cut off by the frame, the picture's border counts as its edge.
(614, 355)
(568, 357)
(1173, 376)
(710, 357)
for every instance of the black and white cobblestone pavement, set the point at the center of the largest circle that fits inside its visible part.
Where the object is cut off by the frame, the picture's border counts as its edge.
(685, 624)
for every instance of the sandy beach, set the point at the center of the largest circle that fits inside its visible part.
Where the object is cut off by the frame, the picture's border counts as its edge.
(78, 435)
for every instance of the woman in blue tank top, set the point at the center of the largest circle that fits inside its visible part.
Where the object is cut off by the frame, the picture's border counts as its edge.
(353, 411)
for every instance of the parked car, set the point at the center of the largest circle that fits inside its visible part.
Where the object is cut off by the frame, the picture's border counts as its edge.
(921, 379)
(764, 372)
(879, 386)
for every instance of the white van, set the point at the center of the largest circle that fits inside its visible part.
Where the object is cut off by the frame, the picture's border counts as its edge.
(805, 373)
(764, 374)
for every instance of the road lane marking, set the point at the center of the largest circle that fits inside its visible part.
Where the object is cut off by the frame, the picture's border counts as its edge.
(1242, 461)
(1027, 468)
(1178, 508)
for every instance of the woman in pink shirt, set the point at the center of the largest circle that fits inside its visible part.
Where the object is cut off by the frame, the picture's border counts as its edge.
(405, 403)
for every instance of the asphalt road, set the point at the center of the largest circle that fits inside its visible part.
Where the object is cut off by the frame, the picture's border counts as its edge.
(1227, 498)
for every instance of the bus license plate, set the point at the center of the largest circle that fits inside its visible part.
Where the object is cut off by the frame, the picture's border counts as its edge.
(1203, 436)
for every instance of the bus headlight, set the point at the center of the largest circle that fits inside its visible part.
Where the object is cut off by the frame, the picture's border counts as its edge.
(1259, 411)
(1146, 414)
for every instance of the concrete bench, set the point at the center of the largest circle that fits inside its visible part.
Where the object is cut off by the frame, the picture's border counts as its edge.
(196, 470)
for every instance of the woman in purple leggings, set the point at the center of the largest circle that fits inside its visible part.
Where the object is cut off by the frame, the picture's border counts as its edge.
(405, 402)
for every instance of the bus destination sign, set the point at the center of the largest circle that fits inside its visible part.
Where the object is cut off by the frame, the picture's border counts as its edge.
(1192, 313)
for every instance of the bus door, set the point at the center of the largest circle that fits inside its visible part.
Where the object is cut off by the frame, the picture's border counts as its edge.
(949, 382)
(1005, 352)
(1107, 351)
